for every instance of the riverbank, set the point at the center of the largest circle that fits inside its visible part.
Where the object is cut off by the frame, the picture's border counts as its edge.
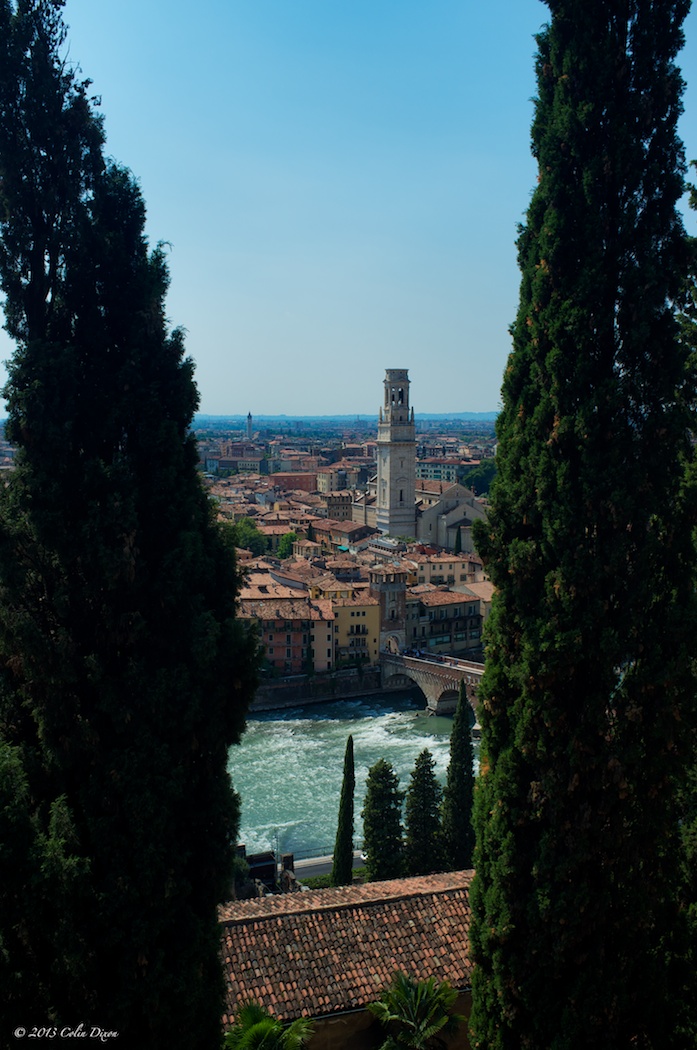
(350, 683)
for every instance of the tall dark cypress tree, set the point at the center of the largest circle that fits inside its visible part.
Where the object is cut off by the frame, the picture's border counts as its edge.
(423, 845)
(342, 865)
(124, 674)
(587, 705)
(382, 823)
(458, 794)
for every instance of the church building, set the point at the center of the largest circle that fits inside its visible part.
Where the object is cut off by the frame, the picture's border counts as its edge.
(397, 503)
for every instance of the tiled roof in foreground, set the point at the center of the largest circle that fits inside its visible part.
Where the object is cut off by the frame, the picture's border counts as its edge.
(328, 951)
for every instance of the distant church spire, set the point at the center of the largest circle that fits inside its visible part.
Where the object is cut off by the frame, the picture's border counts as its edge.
(396, 481)
(249, 426)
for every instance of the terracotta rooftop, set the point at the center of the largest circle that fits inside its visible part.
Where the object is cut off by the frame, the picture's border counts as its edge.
(438, 597)
(483, 590)
(269, 607)
(328, 951)
(361, 598)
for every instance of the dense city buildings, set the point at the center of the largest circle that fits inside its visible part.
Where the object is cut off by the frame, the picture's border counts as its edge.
(381, 554)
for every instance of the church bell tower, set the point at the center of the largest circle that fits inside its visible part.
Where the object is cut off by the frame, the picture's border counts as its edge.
(395, 503)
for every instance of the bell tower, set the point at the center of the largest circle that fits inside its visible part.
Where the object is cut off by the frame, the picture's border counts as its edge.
(395, 497)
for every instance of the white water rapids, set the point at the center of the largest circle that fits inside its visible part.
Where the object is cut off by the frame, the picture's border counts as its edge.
(289, 766)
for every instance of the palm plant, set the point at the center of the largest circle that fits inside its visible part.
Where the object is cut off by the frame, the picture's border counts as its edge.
(256, 1029)
(417, 1014)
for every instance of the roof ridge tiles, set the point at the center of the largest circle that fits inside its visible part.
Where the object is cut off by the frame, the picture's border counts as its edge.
(341, 897)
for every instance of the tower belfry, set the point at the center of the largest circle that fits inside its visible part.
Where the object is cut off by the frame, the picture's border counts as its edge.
(396, 480)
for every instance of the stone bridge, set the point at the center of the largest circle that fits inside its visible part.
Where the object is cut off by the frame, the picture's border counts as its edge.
(438, 678)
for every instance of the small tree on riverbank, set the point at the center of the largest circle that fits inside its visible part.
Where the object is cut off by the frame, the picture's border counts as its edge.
(382, 823)
(342, 867)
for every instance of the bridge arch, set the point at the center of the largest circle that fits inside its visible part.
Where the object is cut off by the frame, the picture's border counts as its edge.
(438, 678)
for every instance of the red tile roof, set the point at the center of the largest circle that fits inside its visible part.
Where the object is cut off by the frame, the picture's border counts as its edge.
(328, 951)
(269, 607)
(438, 597)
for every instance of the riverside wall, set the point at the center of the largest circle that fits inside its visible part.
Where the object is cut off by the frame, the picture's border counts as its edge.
(282, 693)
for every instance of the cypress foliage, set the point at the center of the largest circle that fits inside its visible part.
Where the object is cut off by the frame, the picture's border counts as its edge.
(382, 823)
(424, 843)
(458, 794)
(342, 866)
(587, 703)
(124, 674)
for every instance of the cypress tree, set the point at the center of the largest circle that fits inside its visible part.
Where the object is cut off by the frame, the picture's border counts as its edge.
(124, 674)
(424, 844)
(587, 702)
(342, 866)
(458, 794)
(382, 823)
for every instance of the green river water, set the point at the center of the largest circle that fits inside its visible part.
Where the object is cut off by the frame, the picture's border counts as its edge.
(288, 768)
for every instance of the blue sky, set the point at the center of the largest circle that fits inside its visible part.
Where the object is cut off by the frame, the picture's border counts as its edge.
(340, 182)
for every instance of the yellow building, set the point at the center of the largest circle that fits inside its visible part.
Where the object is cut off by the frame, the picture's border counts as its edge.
(356, 629)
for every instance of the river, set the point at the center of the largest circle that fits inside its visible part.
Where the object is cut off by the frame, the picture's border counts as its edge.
(289, 767)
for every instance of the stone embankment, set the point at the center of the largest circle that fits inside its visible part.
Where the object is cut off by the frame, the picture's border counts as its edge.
(279, 693)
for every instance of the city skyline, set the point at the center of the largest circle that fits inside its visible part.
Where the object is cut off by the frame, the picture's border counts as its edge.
(340, 187)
